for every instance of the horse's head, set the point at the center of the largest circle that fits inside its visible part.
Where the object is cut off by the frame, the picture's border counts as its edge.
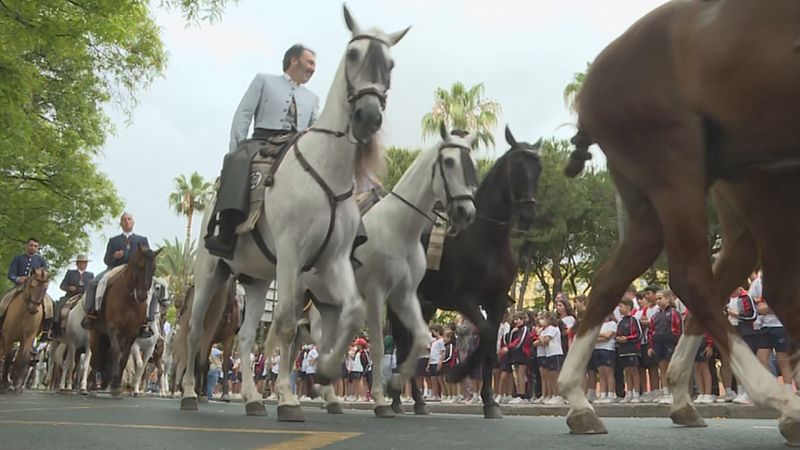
(368, 68)
(524, 165)
(142, 266)
(35, 288)
(454, 177)
(161, 293)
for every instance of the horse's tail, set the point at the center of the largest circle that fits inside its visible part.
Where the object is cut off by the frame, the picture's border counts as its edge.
(579, 156)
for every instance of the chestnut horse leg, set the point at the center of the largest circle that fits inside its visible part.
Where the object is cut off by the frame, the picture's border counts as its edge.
(735, 261)
(640, 245)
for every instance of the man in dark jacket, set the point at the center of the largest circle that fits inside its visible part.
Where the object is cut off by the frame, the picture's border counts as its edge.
(74, 283)
(119, 250)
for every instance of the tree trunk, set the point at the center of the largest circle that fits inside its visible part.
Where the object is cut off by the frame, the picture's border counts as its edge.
(523, 285)
(186, 246)
(558, 281)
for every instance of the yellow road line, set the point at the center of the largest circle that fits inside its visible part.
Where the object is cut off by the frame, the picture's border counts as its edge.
(311, 439)
(319, 439)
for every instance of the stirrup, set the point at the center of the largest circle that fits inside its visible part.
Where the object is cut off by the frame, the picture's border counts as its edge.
(88, 322)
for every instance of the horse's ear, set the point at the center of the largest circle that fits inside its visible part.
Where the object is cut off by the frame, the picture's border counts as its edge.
(395, 37)
(538, 145)
(351, 23)
(443, 131)
(472, 139)
(155, 253)
(510, 138)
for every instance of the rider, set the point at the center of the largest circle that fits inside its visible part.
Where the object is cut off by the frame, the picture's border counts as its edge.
(74, 283)
(276, 105)
(119, 250)
(21, 268)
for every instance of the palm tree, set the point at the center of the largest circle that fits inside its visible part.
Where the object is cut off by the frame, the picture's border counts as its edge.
(573, 88)
(465, 109)
(173, 264)
(189, 197)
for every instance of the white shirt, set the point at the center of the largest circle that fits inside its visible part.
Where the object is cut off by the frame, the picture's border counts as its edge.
(733, 303)
(311, 360)
(617, 314)
(569, 321)
(768, 320)
(505, 327)
(611, 344)
(437, 348)
(554, 345)
(276, 361)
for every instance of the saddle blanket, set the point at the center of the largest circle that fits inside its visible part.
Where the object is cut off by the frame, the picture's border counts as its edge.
(103, 285)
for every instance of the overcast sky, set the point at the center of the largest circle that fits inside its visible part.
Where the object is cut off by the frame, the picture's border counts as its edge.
(524, 51)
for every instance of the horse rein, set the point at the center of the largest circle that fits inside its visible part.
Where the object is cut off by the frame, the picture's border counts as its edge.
(29, 296)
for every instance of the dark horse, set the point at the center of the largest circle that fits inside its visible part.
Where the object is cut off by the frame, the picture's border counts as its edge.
(477, 266)
(123, 311)
(700, 105)
(222, 318)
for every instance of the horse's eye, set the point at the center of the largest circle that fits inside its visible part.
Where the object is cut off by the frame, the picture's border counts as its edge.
(352, 55)
(449, 162)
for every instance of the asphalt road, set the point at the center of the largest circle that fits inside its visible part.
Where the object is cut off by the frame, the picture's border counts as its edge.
(37, 420)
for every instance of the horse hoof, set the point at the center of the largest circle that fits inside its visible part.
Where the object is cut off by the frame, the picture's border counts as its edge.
(492, 412)
(687, 416)
(255, 409)
(83, 392)
(135, 394)
(93, 394)
(384, 411)
(202, 399)
(789, 425)
(116, 393)
(189, 404)
(334, 408)
(225, 398)
(421, 409)
(290, 413)
(585, 421)
(398, 408)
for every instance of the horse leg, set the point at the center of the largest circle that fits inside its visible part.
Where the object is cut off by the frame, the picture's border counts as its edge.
(491, 410)
(639, 247)
(290, 294)
(405, 306)
(85, 369)
(735, 261)
(256, 295)
(209, 277)
(692, 280)
(333, 404)
(21, 364)
(338, 281)
(69, 366)
(374, 295)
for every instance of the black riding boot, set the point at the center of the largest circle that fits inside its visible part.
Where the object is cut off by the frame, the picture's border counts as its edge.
(91, 314)
(46, 329)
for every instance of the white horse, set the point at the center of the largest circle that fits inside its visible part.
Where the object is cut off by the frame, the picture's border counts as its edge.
(310, 222)
(142, 348)
(393, 260)
(75, 337)
(168, 361)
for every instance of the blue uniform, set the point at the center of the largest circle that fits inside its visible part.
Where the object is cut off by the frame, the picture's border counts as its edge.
(23, 265)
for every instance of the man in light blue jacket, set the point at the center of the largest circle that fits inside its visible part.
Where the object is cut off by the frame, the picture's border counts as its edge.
(275, 105)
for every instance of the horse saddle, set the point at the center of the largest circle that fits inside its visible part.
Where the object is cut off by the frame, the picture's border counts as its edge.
(267, 156)
(433, 243)
(69, 305)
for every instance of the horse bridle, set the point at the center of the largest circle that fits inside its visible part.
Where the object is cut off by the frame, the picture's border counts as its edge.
(352, 94)
(134, 293)
(470, 178)
(515, 203)
(33, 283)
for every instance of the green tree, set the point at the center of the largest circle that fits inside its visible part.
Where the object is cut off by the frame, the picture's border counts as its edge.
(60, 63)
(175, 263)
(572, 89)
(465, 109)
(575, 224)
(190, 196)
(398, 160)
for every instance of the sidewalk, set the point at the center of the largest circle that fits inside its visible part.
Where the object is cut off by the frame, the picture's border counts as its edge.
(717, 410)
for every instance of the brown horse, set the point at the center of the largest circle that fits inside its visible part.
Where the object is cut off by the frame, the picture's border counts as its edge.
(682, 99)
(23, 322)
(222, 318)
(124, 310)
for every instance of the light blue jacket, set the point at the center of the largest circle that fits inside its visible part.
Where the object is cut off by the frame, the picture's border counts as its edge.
(266, 103)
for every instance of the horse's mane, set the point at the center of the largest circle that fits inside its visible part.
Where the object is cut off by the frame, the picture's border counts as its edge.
(370, 159)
